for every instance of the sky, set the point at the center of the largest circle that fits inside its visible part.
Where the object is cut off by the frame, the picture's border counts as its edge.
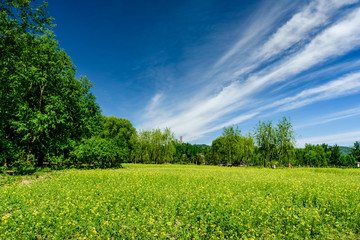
(197, 66)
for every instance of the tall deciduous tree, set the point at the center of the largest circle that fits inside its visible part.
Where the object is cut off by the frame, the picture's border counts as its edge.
(355, 152)
(315, 155)
(19, 26)
(153, 146)
(276, 143)
(119, 131)
(247, 148)
(43, 107)
(335, 155)
(232, 150)
(232, 147)
(265, 136)
(285, 141)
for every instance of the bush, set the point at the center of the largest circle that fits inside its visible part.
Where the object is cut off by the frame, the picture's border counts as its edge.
(97, 151)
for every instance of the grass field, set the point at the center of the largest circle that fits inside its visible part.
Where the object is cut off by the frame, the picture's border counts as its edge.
(182, 202)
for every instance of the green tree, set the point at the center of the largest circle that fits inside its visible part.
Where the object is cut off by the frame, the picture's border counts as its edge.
(20, 27)
(314, 155)
(153, 146)
(231, 147)
(191, 153)
(300, 156)
(347, 160)
(45, 110)
(98, 152)
(285, 141)
(335, 155)
(119, 131)
(167, 146)
(265, 138)
(247, 148)
(355, 151)
(218, 152)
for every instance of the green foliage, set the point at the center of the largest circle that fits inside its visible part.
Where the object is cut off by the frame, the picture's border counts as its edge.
(232, 148)
(43, 107)
(347, 160)
(345, 150)
(315, 155)
(266, 141)
(21, 47)
(119, 129)
(119, 132)
(183, 202)
(191, 153)
(99, 152)
(276, 144)
(285, 141)
(153, 146)
(323, 155)
(335, 155)
(356, 151)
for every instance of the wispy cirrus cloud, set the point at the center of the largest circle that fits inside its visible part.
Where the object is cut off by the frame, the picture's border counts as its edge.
(346, 85)
(348, 113)
(236, 84)
(343, 139)
(300, 27)
(151, 107)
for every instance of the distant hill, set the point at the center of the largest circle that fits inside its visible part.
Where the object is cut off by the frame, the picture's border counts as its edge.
(345, 150)
(202, 145)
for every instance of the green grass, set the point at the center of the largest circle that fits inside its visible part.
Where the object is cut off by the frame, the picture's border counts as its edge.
(183, 202)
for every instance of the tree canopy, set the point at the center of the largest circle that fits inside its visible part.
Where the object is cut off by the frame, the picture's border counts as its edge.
(44, 108)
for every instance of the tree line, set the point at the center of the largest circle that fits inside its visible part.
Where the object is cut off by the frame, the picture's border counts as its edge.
(51, 118)
(274, 145)
(268, 145)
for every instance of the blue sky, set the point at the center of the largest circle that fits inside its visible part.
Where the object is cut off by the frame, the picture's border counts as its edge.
(197, 66)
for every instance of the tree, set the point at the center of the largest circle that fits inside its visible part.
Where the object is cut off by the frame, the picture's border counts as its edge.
(20, 28)
(300, 156)
(247, 148)
(285, 141)
(275, 143)
(168, 147)
(153, 146)
(218, 152)
(117, 128)
(347, 160)
(335, 155)
(118, 131)
(44, 109)
(232, 148)
(190, 153)
(355, 152)
(265, 136)
(231, 137)
(98, 152)
(314, 155)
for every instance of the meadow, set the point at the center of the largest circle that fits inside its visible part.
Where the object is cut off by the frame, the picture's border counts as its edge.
(182, 202)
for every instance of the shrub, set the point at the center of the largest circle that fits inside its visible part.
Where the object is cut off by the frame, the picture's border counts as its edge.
(97, 151)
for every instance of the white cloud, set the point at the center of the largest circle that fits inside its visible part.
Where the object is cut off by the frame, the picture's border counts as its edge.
(346, 139)
(154, 103)
(259, 25)
(191, 118)
(301, 26)
(234, 121)
(348, 113)
(195, 120)
(346, 85)
(335, 41)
